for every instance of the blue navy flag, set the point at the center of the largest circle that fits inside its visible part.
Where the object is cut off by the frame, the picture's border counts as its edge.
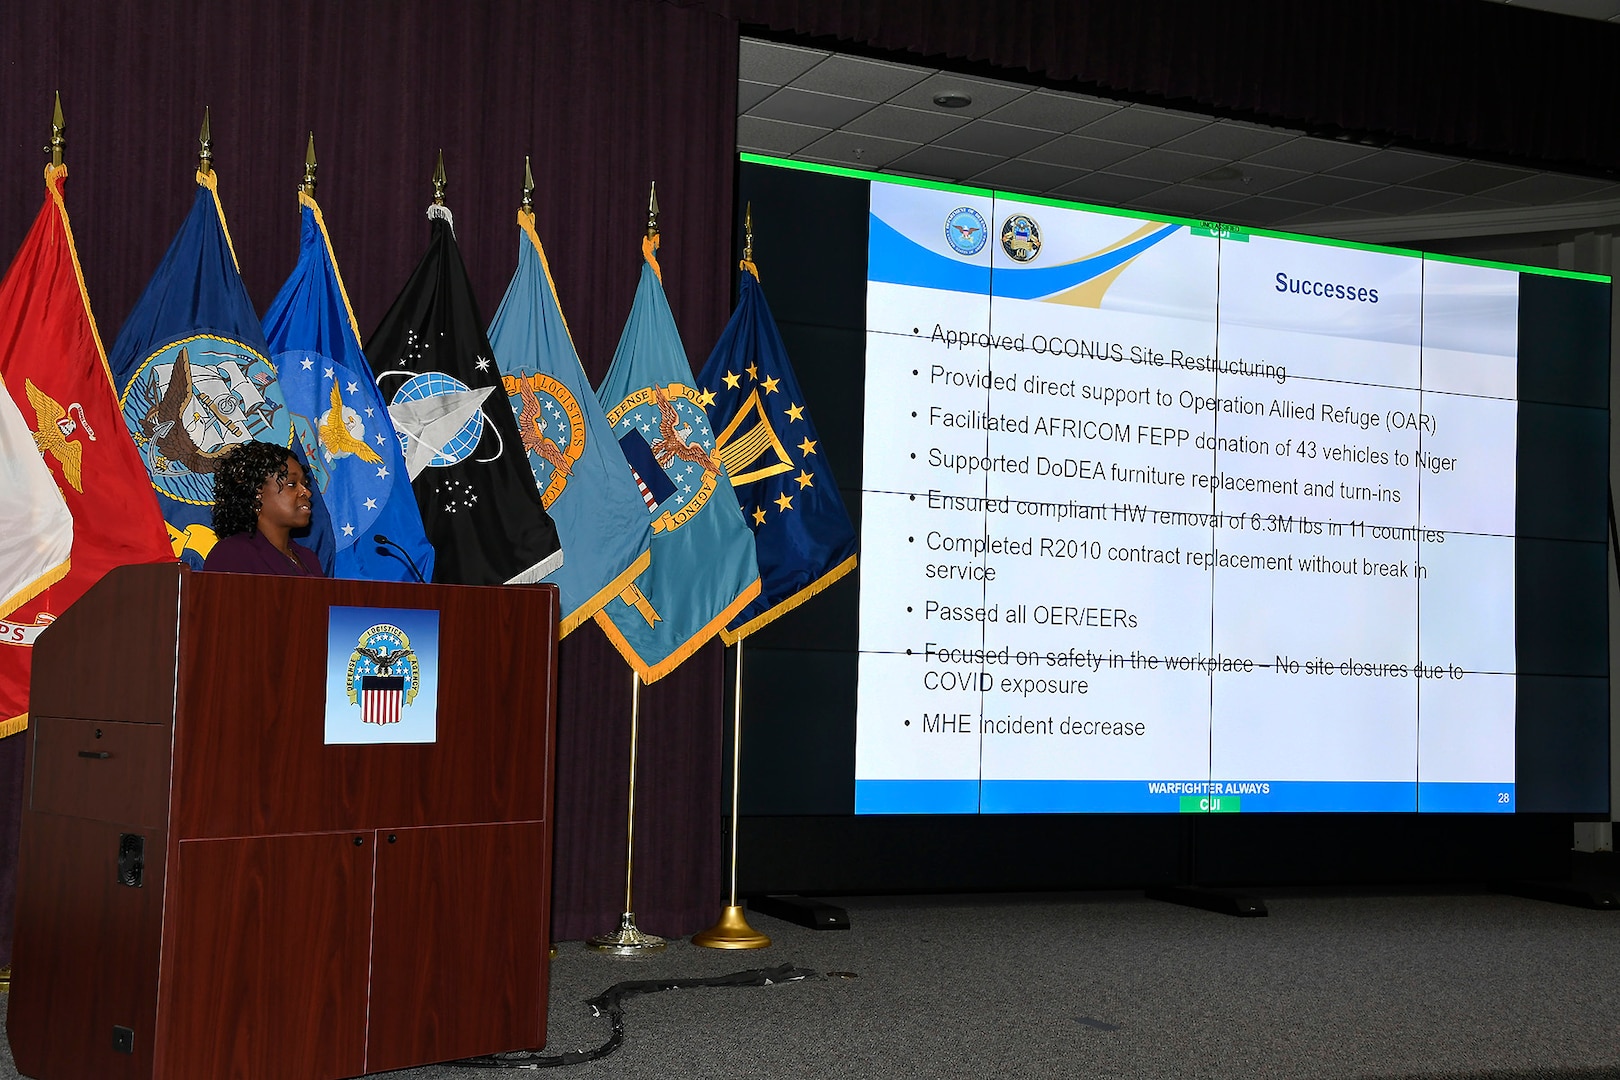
(339, 417)
(195, 378)
(764, 435)
(702, 571)
(601, 519)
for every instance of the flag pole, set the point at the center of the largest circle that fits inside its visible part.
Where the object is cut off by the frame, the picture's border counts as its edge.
(733, 931)
(628, 940)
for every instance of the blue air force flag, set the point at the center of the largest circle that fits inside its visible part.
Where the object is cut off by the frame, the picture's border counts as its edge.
(601, 519)
(771, 450)
(194, 374)
(703, 570)
(339, 416)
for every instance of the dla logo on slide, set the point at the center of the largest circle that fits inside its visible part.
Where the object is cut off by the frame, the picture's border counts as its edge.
(966, 231)
(1021, 238)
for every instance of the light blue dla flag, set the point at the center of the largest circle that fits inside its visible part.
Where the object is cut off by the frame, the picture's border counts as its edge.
(339, 417)
(600, 517)
(703, 570)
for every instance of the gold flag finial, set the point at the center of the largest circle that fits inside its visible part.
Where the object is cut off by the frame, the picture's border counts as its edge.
(652, 211)
(308, 186)
(528, 186)
(58, 132)
(748, 233)
(205, 156)
(439, 180)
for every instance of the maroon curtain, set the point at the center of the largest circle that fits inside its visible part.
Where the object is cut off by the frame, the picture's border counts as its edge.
(606, 97)
(1462, 76)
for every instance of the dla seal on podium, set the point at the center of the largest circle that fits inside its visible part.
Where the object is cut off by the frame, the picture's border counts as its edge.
(382, 675)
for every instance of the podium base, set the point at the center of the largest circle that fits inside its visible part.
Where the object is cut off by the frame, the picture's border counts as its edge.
(731, 932)
(626, 940)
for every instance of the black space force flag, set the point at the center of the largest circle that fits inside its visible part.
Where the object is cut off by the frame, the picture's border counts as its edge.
(434, 367)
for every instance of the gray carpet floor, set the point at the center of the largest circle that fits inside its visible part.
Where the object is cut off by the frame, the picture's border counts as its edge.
(1360, 985)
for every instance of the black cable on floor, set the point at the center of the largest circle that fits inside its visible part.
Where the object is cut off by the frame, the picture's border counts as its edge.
(611, 1001)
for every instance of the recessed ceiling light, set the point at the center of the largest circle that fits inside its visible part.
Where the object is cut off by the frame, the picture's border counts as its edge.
(952, 100)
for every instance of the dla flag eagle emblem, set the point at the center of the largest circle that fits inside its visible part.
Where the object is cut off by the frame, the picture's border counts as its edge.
(382, 676)
(666, 437)
(552, 426)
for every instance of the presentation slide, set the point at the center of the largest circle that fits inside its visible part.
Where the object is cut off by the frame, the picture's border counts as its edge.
(1161, 518)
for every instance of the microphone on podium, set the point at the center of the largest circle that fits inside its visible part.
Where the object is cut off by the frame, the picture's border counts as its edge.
(386, 546)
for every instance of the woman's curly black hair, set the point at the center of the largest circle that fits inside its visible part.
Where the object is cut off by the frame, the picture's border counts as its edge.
(237, 480)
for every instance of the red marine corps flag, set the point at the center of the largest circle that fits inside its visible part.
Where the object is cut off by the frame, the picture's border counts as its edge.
(56, 371)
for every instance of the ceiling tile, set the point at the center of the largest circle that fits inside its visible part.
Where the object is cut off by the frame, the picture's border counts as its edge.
(1166, 165)
(987, 96)
(1555, 187)
(1186, 201)
(773, 136)
(1471, 178)
(1053, 112)
(1108, 190)
(857, 77)
(943, 161)
(1229, 140)
(768, 62)
(1471, 204)
(989, 137)
(857, 151)
(1142, 126)
(1330, 215)
(808, 107)
(1031, 177)
(898, 122)
(1262, 211)
(1324, 190)
(1391, 166)
(750, 94)
(1311, 155)
(1081, 152)
(1250, 179)
(1397, 200)
(1583, 9)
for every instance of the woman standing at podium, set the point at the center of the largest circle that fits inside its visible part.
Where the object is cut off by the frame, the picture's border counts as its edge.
(261, 494)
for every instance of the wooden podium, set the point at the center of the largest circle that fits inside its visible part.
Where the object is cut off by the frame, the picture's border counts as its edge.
(303, 910)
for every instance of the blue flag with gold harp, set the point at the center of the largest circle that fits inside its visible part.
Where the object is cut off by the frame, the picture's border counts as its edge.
(601, 519)
(195, 377)
(771, 449)
(340, 419)
(702, 571)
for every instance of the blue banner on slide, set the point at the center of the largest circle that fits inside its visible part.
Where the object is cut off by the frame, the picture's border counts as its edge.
(1434, 798)
(916, 796)
(1179, 796)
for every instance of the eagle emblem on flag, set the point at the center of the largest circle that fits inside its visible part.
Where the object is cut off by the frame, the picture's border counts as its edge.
(384, 674)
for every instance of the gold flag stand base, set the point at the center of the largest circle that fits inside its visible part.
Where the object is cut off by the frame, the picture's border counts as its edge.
(626, 940)
(731, 932)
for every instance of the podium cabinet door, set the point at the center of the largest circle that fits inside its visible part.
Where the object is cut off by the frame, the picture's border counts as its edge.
(86, 955)
(269, 966)
(462, 930)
